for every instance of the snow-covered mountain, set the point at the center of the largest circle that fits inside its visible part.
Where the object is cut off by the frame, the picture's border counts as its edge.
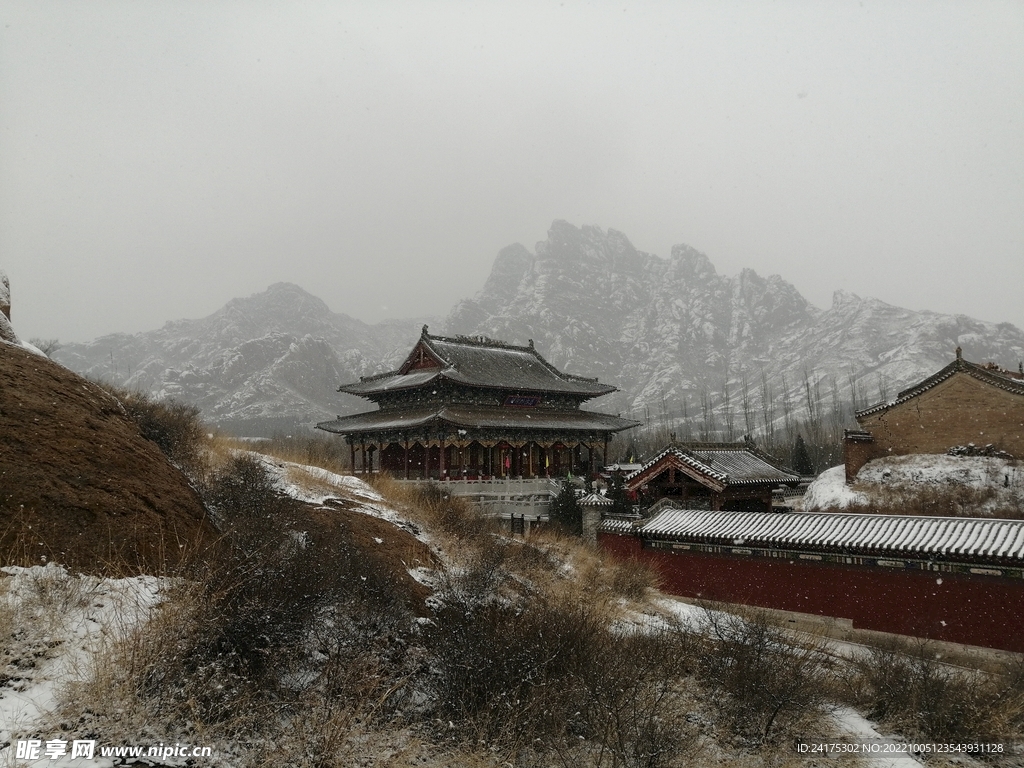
(667, 330)
(258, 364)
(670, 333)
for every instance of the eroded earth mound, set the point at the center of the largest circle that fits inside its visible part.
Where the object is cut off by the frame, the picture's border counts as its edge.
(79, 484)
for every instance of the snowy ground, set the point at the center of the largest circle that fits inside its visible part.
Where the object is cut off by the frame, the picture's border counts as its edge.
(1002, 480)
(829, 491)
(319, 486)
(54, 625)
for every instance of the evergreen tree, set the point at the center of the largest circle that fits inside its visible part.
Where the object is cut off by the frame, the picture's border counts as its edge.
(802, 458)
(617, 495)
(566, 511)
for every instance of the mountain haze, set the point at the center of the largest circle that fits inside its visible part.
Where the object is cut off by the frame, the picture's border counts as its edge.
(669, 332)
(266, 362)
(666, 330)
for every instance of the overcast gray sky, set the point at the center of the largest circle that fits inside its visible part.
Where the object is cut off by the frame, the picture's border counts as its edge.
(160, 158)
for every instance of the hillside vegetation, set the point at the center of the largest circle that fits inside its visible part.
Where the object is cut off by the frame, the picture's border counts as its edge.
(336, 624)
(80, 483)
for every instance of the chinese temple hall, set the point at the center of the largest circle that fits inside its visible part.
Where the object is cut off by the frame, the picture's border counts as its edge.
(475, 408)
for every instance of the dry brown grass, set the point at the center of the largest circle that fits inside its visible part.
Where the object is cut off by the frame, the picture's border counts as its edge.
(561, 567)
(330, 453)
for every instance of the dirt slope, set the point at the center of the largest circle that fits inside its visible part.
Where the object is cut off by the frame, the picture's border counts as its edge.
(78, 483)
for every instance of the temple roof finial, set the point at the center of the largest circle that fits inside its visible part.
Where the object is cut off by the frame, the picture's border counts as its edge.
(959, 351)
(424, 331)
(531, 343)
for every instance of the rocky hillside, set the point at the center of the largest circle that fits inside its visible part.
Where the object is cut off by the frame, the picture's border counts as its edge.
(671, 333)
(266, 362)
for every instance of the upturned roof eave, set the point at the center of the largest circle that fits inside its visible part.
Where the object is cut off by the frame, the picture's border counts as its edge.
(444, 415)
(359, 387)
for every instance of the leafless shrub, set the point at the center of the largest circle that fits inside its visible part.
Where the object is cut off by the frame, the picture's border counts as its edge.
(770, 682)
(632, 578)
(47, 346)
(909, 687)
(544, 676)
(175, 427)
(285, 607)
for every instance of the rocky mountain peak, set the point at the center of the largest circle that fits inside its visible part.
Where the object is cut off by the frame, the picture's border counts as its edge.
(692, 263)
(672, 333)
(511, 264)
(6, 331)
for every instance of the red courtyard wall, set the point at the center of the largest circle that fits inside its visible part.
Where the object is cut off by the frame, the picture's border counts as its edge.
(961, 608)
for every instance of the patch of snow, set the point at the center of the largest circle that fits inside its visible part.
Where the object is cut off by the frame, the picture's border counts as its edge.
(829, 490)
(943, 470)
(65, 621)
(860, 730)
(425, 576)
(884, 477)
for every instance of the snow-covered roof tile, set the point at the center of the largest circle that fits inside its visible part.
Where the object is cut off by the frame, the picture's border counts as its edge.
(967, 538)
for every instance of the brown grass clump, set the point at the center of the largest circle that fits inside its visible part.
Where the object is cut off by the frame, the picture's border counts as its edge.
(548, 560)
(933, 501)
(317, 450)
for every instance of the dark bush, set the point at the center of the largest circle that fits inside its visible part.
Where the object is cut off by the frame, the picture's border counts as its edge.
(566, 512)
(770, 682)
(908, 687)
(546, 677)
(175, 427)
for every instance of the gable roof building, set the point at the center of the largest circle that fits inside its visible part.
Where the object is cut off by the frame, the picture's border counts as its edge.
(964, 403)
(718, 476)
(472, 407)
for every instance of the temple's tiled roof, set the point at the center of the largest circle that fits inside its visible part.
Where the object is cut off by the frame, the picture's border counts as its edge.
(481, 362)
(1000, 379)
(477, 417)
(724, 463)
(920, 537)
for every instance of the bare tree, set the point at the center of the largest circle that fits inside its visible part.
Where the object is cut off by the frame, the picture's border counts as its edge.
(46, 346)
(727, 412)
(768, 412)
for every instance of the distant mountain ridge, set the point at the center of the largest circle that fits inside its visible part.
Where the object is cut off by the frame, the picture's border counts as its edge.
(665, 331)
(266, 362)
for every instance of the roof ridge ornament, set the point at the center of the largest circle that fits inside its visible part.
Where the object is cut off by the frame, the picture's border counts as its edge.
(959, 351)
(423, 333)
